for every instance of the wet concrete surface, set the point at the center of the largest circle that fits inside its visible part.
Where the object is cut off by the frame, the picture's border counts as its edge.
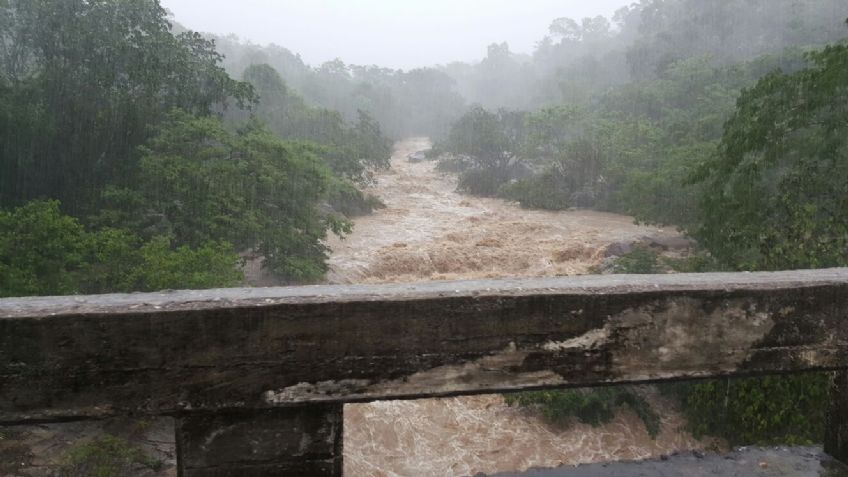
(744, 462)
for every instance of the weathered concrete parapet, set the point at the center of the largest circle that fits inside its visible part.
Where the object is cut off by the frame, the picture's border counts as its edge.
(237, 366)
(302, 441)
(181, 352)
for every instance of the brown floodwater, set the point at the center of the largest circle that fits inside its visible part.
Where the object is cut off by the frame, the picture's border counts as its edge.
(428, 231)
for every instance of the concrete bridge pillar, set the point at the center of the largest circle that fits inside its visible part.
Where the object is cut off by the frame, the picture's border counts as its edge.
(836, 437)
(299, 441)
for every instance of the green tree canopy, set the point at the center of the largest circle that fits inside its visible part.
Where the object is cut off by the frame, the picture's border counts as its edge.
(776, 194)
(202, 183)
(88, 78)
(491, 140)
(490, 144)
(43, 252)
(349, 149)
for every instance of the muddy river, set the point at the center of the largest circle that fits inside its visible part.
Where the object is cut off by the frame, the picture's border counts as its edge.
(428, 231)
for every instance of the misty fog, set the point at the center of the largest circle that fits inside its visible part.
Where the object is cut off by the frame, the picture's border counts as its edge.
(391, 34)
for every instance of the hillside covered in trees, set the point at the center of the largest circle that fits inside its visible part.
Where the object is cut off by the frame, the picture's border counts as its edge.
(622, 114)
(131, 160)
(150, 145)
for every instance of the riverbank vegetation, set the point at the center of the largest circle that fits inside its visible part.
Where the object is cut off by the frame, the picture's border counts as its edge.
(768, 195)
(744, 152)
(132, 161)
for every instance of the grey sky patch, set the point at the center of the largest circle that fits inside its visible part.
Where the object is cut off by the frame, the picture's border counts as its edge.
(389, 33)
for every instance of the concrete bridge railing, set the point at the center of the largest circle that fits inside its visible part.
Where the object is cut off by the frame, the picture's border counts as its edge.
(257, 378)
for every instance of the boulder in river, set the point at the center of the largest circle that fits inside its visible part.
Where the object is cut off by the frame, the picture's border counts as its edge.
(668, 243)
(618, 249)
(417, 157)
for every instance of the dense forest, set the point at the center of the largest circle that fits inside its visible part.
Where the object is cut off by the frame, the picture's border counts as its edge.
(133, 148)
(131, 160)
(136, 155)
(624, 114)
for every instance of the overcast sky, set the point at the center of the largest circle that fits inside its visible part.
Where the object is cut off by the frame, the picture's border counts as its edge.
(390, 33)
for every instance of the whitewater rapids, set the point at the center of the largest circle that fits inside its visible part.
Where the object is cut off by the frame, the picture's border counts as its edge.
(428, 231)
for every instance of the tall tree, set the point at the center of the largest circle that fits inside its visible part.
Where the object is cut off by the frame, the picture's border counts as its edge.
(491, 143)
(91, 77)
(777, 191)
(203, 183)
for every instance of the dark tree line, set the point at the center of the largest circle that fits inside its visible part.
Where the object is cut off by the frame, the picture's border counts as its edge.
(577, 61)
(124, 164)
